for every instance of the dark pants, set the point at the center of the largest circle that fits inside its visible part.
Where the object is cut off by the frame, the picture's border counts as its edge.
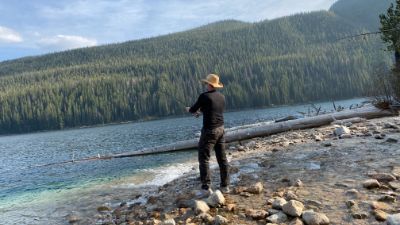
(209, 139)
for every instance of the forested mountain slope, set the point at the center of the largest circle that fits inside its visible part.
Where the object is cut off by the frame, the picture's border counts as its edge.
(287, 60)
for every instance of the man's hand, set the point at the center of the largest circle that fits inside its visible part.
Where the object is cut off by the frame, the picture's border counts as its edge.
(187, 109)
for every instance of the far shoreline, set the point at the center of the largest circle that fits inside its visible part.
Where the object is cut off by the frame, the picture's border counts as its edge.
(150, 119)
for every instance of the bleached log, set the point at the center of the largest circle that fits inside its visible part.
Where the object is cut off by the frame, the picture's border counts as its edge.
(257, 131)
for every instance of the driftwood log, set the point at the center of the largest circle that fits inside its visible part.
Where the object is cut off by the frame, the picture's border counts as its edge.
(354, 115)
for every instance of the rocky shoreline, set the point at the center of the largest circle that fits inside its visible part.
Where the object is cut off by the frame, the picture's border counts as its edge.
(336, 174)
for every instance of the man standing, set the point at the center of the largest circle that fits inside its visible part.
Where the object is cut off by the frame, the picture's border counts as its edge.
(212, 105)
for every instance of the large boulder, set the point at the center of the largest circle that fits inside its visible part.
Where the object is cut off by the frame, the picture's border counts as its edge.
(293, 208)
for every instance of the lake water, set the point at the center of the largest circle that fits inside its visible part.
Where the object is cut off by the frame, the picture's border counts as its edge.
(45, 195)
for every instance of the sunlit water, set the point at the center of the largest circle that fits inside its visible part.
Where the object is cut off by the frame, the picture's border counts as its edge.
(44, 195)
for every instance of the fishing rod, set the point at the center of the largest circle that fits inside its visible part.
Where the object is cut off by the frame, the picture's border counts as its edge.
(365, 34)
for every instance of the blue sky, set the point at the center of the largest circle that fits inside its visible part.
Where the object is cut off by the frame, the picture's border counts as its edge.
(33, 27)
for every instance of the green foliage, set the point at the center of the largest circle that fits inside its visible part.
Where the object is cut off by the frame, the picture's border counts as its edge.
(288, 60)
(390, 27)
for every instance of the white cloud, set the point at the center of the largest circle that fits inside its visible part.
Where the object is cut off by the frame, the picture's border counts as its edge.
(65, 42)
(8, 35)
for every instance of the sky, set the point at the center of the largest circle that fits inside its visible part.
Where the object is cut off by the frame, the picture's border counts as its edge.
(34, 27)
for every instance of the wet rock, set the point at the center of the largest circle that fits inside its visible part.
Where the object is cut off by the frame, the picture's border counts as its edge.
(314, 218)
(379, 215)
(379, 137)
(393, 219)
(392, 140)
(220, 220)
(201, 207)
(104, 208)
(241, 148)
(371, 183)
(256, 188)
(387, 198)
(383, 177)
(293, 208)
(73, 217)
(277, 218)
(278, 203)
(216, 199)
(395, 185)
(296, 221)
(327, 144)
(341, 130)
(256, 214)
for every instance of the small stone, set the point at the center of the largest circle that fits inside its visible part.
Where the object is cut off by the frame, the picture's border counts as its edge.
(216, 199)
(393, 219)
(220, 220)
(246, 194)
(278, 203)
(104, 208)
(395, 185)
(73, 218)
(379, 205)
(317, 138)
(390, 126)
(293, 208)
(273, 211)
(298, 183)
(296, 221)
(346, 136)
(341, 130)
(201, 207)
(371, 183)
(359, 215)
(205, 217)
(256, 188)
(387, 198)
(256, 214)
(241, 148)
(327, 144)
(277, 218)
(291, 196)
(379, 215)
(168, 222)
(379, 137)
(392, 140)
(314, 203)
(383, 177)
(350, 203)
(352, 192)
(231, 207)
(314, 218)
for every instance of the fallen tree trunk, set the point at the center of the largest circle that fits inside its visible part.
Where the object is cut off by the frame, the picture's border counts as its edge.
(252, 132)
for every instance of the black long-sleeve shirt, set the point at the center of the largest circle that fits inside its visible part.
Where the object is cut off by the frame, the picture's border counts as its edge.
(212, 105)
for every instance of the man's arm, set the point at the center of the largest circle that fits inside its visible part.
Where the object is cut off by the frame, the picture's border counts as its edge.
(196, 105)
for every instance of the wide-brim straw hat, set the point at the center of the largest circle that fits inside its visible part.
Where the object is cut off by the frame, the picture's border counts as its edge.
(213, 80)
